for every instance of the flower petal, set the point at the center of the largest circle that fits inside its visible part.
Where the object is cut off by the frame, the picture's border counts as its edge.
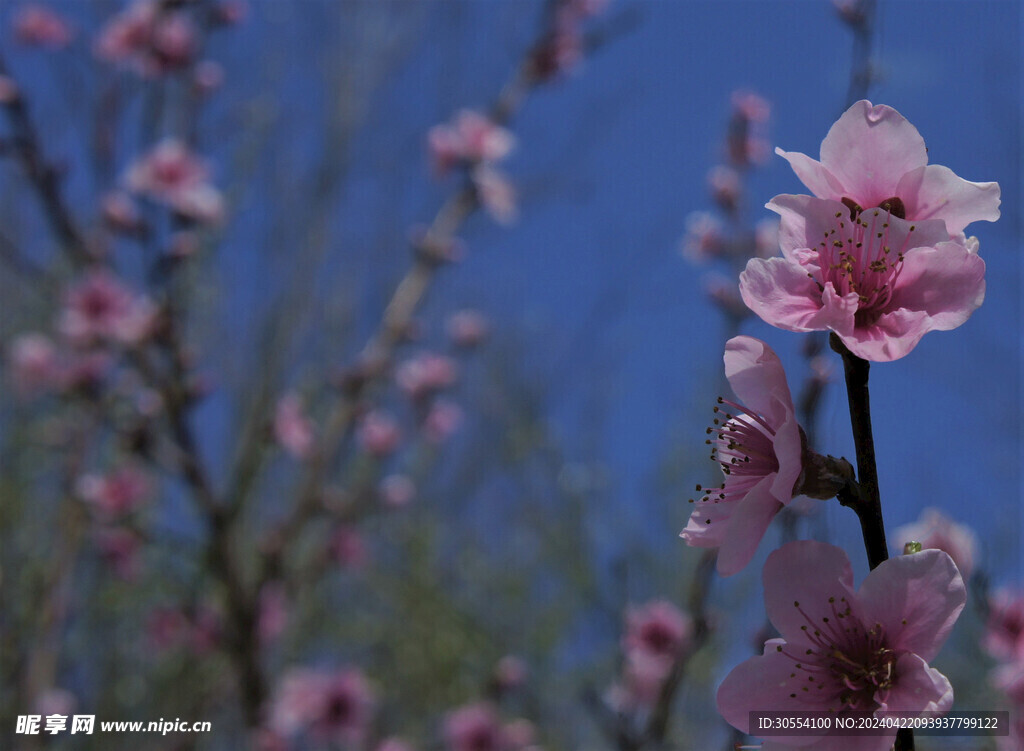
(869, 149)
(781, 293)
(936, 192)
(794, 598)
(947, 282)
(747, 525)
(758, 379)
(890, 337)
(789, 452)
(917, 688)
(916, 598)
(813, 174)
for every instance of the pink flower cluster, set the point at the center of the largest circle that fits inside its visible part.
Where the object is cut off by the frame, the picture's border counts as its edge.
(479, 727)
(328, 706)
(172, 175)
(658, 635)
(149, 37)
(39, 26)
(877, 254)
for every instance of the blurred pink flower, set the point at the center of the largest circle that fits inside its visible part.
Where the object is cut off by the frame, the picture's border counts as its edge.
(292, 429)
(656, 636)
(171, 174)
(34, 364)
(99, 307)
(510, 673)
(347, 547)
(209, 76)
(40, 26)
(397, 491)
(273, 613)
(726, 187)
(148, 38)
(470, 138)
(467, 328)
(844, 650)
(1009, 678)
(443, 419)
(126, 36)
(330, 706)
(1004, 632)
(474, 727)
(378, 433)
(116, 493)
(496, 193)
(878, 281)
(704, 239)
(760, 451)
(745, 142)
(425, 374)
(872, 156)
(936, 530)
(119, 549)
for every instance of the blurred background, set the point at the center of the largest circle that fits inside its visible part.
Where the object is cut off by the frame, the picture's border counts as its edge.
(358, 357)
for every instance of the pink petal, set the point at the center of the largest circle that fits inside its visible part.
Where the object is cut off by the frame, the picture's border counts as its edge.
(699, 533)
(916, 598)
(889, 338)
(746, 527)
(813, 174)
(789, 451)
(781, 293)
(918, 688)
(805, 221)
(757, 378)
(869, 149)
(760, 684)
(793, 598)
(947, 282)
(936, 192)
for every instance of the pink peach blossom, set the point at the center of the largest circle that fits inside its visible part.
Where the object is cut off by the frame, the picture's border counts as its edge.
(470, 138)
(330, 706)
(936, 530)
(397, 491)
(116, 493)
(443, 419)
(510, 673)
(705, 238)
(760, 451)
(171, 174)
(378, 433)
(38, 25)
(656, 636)
(127, 35)
(101, 308)
(878, 281)
(474, 727)
(348, 548)
(844, 650)
(1004, 632)
(467, 328)
(425, 374)
(726, 187)
(292, 429)
(872, 156)
(34, 364)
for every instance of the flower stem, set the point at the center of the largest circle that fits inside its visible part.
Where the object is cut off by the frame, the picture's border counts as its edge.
(868, 504)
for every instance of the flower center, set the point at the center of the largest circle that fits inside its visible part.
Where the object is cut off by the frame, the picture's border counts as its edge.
(857, 256)
(851, 664)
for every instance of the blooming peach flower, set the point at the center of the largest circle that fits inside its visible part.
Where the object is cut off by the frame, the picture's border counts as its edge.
(848, 651)
(117, 493)
(148, 38)
(471, 137)
(38, 25)
(333, 707)
(474, 727)
(443, 419)
(656, 635)
(378, 433)
(292, 429)
(936, 530)
(171, 174)
(704, 239)
(760, 451)
(878, 281)
(872, 156)
(467, 328)
(1004, 632)
(425, 374)
(101, 308)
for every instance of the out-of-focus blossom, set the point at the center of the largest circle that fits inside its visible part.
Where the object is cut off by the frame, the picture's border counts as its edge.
(745, 141)
(148, 38)
(704, 239)
(9, 91)
(101, 308)
(117, 493)
(209, 76)
(848, 651)
(1009, 678)
(1004, 632)
(656, 635)
(936, 530)
(347, 547)
(34, 364)
(726, 187)
(397, 491)
(378, 433)
(119, 549)
(292, 429)
(426, 373)
(171, 174)
(232, 12)
(330, 706)
(470, 138)
(873, 157)
(40, 26)
(467, 328)
(474, 727)
(510, 673)
(443, 418)
(760, 452)
(878, 281)
(273, 612)
(496, 194)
